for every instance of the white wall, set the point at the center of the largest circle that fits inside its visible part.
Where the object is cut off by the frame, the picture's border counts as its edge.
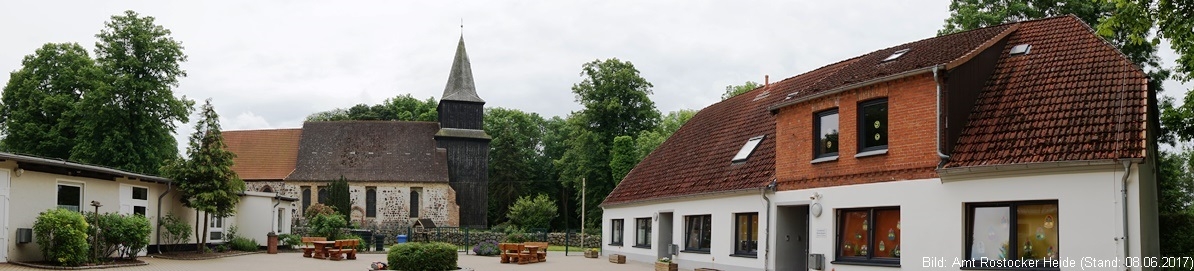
(933, 217)
(722, 210)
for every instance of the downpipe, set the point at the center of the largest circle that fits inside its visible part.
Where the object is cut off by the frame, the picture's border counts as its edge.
(940, 155)
(767, 229)
(158, 236)
(1123, 189)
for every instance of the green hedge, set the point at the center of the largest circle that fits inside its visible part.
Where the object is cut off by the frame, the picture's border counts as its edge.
(422, 257)
(62, 236)
(243, 244)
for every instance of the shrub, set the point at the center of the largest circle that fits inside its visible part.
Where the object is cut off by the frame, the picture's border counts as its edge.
(361, 245)
(222, 248)
(176, 231)
(124, 235)
(517, 236)
(327, 225)
(486, 248)
(318, 209)
(291, 240)
(243, 244)
(531, 213)
(422, 256)
(62, 235)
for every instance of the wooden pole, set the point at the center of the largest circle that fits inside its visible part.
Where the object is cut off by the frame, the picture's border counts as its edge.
(582, 211)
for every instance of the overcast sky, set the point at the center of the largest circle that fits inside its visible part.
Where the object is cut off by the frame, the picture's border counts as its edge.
(269, 64)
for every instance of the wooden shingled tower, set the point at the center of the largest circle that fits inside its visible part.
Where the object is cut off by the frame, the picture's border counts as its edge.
(462, 134)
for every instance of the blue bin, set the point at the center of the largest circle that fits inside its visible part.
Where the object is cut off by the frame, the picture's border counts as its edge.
(401, 238)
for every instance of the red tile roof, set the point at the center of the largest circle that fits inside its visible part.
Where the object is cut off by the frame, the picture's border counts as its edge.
(1072, 97)
(263, 154)
(1068, 95)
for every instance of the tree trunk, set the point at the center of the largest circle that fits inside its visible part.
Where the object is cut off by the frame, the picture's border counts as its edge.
(198, 245)
(205, 224)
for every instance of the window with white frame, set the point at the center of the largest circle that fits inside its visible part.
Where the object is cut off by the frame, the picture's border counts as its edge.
(70, 196)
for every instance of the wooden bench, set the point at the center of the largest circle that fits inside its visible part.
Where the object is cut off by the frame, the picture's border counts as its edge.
(513, 253)
(309, 245)
(344, 248)
(542, 253)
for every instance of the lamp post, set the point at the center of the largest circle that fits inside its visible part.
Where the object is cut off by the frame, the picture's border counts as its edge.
(95, 246)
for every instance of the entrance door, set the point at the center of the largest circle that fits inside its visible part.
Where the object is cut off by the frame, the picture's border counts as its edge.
(134, 200)
(4, 197)
(791, 237)
(665, 236)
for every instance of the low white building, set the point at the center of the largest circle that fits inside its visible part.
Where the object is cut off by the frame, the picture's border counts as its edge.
(1025, 145)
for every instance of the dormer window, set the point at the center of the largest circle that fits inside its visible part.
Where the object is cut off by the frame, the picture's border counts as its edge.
(747, 149)
(896, 55)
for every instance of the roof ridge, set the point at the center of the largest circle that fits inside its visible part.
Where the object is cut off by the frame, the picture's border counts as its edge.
(256, 130)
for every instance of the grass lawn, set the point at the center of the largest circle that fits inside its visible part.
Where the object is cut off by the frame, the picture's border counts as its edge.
(570, 249)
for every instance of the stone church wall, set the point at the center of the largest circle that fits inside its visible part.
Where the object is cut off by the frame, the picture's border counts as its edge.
(437, 200)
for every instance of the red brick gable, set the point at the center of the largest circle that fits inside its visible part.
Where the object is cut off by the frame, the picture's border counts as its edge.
(1072, 97)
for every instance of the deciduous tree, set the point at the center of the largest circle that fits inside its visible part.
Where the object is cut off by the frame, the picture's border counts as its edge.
(130, 123)
(37, 109)
(734, 90)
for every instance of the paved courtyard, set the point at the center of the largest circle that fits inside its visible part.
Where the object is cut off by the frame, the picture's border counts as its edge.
(295, 261)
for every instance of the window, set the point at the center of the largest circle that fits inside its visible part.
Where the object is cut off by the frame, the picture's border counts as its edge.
(747, 149)
(615, 232)
(216, 228)
(140, 210)
(414, 201)
(1029, 229)
(323, 194)
(306, 199)
(697, 233)
(872, 125)
(895, 55)
(70, 196)
(267, 189)
(869, 235)
(825, 129)
(141, 193)
(746, 237)
(642, 232)
(371, 202)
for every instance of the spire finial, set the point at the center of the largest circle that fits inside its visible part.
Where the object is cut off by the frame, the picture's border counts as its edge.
(462, 26)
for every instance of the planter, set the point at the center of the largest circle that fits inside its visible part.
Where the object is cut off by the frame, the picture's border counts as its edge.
(662, 266)
(592, 254)
(617, 258)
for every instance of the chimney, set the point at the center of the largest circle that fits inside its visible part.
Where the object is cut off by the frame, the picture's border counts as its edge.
(766, 80)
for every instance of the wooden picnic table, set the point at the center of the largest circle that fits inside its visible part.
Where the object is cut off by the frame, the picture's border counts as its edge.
(321, 248)
(532, 251)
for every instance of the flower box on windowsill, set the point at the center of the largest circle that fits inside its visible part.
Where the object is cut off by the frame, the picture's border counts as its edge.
(662, 266)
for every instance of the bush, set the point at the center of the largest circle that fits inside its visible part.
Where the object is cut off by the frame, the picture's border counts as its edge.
(486, 248)
(327, 225)
(517, 236)
(129, 234)
(62, 235)
(292, 240)
(176, 231)
(422, 257)
(243, 244)
(361, 245)
(530, 213)
(318, 209)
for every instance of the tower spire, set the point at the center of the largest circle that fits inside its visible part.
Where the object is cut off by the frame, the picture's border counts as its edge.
(460, 79)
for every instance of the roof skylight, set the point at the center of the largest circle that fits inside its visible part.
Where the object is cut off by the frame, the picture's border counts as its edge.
(896, 55)
(747, 149)
(1021, 49)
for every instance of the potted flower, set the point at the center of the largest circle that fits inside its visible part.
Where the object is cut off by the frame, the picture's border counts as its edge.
(592, 253)
(666, 264)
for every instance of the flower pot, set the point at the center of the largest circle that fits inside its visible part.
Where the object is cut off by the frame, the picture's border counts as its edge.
(617, 258)
(662, 266)
(592, 254)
